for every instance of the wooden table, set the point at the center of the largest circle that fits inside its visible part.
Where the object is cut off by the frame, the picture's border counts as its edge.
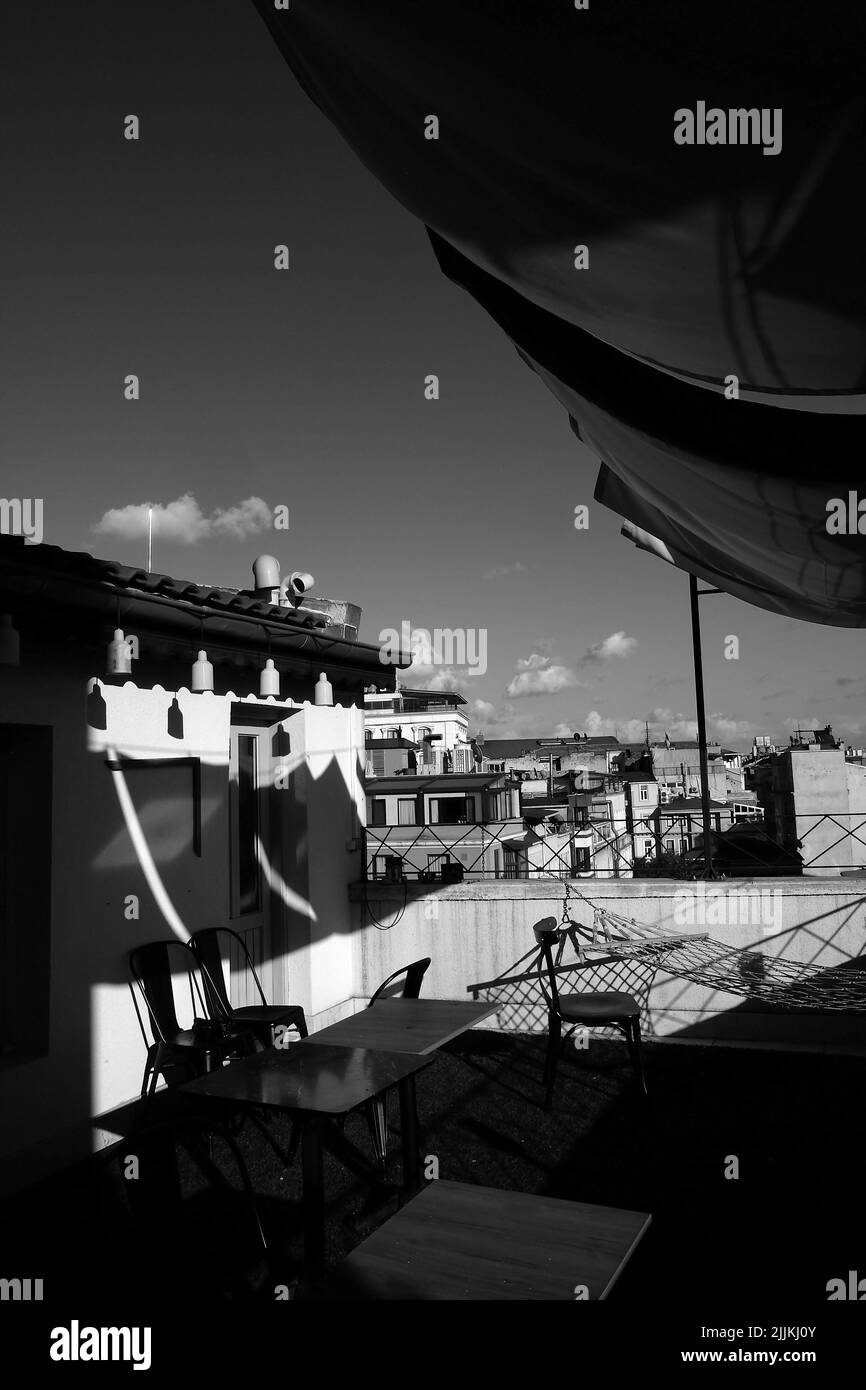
(405, 1025)
(319, 1083)
(455, 1241)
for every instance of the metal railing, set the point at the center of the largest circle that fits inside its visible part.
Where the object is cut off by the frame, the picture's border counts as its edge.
(497, 849)
(812, 842)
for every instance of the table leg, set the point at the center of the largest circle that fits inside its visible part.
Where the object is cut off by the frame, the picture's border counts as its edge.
(409, 1134)
(312, 1165)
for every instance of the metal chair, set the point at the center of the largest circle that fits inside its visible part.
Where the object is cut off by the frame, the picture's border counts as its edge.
(194, 1050)
(411, 989)
(258, 1019)
(589, 1010)
(377, 1114)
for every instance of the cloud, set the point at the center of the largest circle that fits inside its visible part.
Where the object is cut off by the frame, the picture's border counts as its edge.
(501, 571)
(424, 676)
(246, 519)
(726, 728)
(848, 680)
(809, 721)
(483, 711)
(184, 523)
(617, 644)
(539, 675)
(487, 719)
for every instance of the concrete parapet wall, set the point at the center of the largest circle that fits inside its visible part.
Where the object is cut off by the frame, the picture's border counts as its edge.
(481, 930)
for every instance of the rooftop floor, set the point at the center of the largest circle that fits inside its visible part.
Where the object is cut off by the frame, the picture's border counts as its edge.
(789, 1223)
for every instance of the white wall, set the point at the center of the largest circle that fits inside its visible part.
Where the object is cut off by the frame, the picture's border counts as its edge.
(116, 839)
(478, 931)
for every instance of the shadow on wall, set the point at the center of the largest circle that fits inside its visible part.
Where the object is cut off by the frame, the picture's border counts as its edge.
(839, 1017)
(141, 848)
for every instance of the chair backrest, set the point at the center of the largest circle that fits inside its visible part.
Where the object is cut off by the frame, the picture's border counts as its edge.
(206, 945)
(547, 935)
(151, 966)
(412, 986)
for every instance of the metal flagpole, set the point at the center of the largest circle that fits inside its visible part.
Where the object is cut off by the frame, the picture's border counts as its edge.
(150, 540)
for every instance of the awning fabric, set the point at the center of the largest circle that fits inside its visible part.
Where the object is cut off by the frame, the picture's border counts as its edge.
(705, 262)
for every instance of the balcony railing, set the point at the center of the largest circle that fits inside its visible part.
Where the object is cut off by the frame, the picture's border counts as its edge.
(497, 849)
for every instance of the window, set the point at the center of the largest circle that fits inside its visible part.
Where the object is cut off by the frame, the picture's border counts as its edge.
(378, 865)
(669, 846)
(582, 862)
(378, 760)
(451, 810)
(406, 810)
(644, 792)
(25, 889)
(376, 808)
(496, 767)
(433, 862)
(647, 849)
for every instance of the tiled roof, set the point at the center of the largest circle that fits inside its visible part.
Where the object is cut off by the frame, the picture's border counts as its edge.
(48, 576)
(53, 560)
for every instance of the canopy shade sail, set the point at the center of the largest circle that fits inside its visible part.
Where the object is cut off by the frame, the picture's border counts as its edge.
(702, 262)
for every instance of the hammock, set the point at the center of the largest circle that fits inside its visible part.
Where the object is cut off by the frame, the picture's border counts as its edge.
(698, 958)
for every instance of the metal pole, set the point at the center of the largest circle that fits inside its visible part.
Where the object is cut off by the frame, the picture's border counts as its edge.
(702, 726)
(150, 540)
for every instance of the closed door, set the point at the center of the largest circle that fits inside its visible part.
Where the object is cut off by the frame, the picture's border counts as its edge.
(250, 777)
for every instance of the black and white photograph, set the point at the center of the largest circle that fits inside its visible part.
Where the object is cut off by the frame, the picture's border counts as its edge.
(432, 684)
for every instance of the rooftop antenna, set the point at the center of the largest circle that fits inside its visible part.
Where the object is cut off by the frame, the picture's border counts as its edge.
(150, 540)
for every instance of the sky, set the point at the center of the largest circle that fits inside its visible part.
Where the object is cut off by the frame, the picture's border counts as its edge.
(305, 389)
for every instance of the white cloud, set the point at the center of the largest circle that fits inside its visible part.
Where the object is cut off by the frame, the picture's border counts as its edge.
(246, 519)
(184, 523)
(725, 728)
(483, 711)
(424, 676)
(485, 718)
(809, 721)
(539, 675)
(617, 644)
(501, 571)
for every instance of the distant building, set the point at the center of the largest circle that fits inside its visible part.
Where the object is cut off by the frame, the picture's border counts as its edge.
(434, 720)
(642, 805)
(416, 824)
(386, 757)
(542, 757)
(815, 801)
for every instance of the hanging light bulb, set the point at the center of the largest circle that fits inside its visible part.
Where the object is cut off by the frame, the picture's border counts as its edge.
(202, 674)
(119, 654)
(10, 645)
(270, 681)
